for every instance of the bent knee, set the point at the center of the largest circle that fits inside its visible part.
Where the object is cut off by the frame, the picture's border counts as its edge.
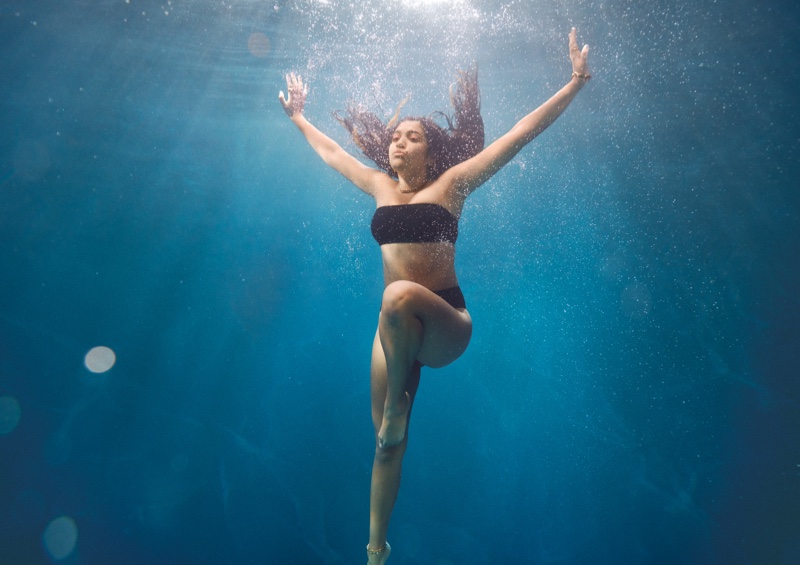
(397, 296)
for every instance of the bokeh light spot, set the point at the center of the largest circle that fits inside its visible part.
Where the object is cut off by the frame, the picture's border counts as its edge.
(60, 537)
(258, 45)
(100, 359)
(9, 414)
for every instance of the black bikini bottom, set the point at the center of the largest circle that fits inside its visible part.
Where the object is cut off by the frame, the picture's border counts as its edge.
(453, 296)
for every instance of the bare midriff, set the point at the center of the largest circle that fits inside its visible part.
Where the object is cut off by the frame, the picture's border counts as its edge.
(430, 264)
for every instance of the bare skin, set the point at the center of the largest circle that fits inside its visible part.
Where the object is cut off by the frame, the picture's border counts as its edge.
(415, 325)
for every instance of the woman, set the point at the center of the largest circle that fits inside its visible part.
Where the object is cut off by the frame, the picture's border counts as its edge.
(427, 174)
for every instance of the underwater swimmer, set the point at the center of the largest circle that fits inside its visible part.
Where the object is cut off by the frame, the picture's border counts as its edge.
(425, 173)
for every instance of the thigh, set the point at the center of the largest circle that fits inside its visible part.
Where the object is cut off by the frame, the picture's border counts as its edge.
(446, 331)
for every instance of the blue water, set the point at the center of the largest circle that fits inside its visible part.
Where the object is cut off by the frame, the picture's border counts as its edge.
(631, 392)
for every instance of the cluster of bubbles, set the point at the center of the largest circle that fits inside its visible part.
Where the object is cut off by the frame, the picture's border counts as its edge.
(377, 52)
(374, 53)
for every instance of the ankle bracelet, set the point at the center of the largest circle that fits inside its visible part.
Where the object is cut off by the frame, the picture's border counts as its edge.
(377, 551)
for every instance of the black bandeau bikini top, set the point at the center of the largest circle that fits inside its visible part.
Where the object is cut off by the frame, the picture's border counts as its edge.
(414, 223)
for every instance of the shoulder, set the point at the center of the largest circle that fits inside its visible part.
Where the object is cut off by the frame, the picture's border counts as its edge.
(451, 188)
(370, 180)
(383, 187)
(445, 192)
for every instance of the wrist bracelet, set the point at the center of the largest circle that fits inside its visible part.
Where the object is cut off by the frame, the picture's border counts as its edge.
(584, 76)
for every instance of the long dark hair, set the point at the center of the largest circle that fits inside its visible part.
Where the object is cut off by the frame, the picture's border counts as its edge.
(461, 139)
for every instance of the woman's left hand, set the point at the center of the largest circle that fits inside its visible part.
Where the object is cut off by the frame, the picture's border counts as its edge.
(579, 57)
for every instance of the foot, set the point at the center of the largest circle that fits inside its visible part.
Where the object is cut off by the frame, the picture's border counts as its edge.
(393, 428)
(380, 557)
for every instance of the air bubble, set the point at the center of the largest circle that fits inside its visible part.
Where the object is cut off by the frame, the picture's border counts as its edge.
(100, 359)
(60, 537)
(258, 45)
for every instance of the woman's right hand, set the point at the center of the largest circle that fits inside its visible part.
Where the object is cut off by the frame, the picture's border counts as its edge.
(297, 95)
(579, 57)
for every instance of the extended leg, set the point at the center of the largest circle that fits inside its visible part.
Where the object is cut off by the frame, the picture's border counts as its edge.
(387, 465)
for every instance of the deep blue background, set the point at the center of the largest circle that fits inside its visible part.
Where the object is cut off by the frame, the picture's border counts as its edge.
(631, 394)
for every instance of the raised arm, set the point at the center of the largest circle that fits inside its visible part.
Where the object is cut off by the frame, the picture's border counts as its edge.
(472, 173)
(331, 152)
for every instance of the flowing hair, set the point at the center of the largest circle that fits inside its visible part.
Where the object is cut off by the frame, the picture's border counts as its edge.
(462, 138)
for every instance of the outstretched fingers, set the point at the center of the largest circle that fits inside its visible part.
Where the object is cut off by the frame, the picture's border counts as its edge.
(579, 57)
(297, 92)
(291, 82)
(573, 41)
(295, 84)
